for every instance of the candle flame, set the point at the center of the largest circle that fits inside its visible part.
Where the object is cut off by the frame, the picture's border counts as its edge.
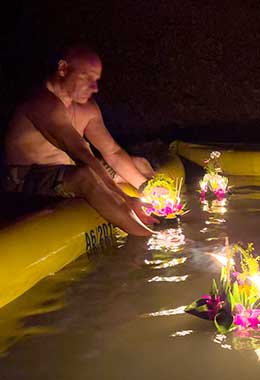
(222, 259)
(256, 280)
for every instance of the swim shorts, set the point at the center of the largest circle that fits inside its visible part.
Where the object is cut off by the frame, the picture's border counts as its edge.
(45, 180)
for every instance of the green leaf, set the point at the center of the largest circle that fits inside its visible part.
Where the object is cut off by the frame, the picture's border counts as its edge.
(214, 288)
(256, 305)
(236, 293)
(224, 321)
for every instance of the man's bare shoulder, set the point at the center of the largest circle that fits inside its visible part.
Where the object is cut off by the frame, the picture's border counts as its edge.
(41, 101)
(90, 109)
(44, 111)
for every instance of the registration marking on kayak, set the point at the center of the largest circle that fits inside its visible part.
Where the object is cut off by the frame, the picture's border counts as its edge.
(101, 236)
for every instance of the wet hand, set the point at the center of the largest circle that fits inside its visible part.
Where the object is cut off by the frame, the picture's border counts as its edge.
(137, 205)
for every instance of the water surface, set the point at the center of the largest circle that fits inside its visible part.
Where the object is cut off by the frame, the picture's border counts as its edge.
(121, 316)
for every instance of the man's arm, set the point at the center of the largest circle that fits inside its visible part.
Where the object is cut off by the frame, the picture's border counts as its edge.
(50, 117)
(113, 154)
(52, 121)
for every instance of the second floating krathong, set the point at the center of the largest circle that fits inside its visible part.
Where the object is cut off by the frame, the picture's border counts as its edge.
(163, 193)
(213, 182)
(234, 302)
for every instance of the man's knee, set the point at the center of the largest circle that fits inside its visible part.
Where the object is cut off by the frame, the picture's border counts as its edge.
(80, 179)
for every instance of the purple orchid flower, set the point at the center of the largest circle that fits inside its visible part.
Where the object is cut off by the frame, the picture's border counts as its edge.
(214, 304)
(167, 210)
(220, 194)
(202, 195)
(246, 318)
(207, 307)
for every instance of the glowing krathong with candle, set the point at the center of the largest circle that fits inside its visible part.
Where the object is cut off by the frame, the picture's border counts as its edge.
(163, 193)
(213, 182)
(234, 303)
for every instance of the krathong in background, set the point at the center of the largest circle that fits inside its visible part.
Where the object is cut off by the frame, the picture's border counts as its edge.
(163, 193)
(213, 182)
(234, 302)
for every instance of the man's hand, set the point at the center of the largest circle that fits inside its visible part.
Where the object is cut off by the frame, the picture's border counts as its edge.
(143, 186)
(136, 205)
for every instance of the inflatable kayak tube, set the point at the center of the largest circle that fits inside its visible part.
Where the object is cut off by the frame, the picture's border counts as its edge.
(44, 242)
(235, 161)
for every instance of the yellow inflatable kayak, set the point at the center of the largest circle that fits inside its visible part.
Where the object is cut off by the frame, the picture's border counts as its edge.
(235, 161)
(44, 242)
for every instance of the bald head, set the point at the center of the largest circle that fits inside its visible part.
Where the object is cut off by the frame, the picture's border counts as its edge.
(77, 74)
(81, 53)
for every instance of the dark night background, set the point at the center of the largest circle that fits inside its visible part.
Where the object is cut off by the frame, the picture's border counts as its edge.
(172, 69)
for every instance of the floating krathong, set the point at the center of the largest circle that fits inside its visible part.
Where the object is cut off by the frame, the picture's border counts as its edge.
(234, 303)
(163, 193)
(213, 182)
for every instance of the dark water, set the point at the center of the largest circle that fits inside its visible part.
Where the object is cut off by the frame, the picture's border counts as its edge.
(121, 316)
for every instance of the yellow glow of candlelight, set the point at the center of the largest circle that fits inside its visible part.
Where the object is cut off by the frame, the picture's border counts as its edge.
(222, 259)
(256, 280)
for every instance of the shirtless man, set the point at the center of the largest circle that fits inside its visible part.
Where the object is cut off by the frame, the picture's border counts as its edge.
(46, 151)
